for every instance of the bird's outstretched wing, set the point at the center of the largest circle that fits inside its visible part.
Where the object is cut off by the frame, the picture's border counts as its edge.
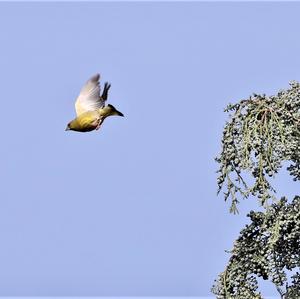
(89, 98)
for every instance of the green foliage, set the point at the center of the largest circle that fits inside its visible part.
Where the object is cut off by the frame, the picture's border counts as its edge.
(261, 134)
(268, 247)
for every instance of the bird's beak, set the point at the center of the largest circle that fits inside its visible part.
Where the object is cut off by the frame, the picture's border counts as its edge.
(67, 129)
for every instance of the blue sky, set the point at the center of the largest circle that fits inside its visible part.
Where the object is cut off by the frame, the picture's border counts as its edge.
(130, 209)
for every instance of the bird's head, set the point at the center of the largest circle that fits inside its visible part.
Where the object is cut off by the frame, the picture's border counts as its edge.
(111, 110)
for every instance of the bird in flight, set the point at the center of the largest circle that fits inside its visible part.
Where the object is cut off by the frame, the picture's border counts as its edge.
(90, 107)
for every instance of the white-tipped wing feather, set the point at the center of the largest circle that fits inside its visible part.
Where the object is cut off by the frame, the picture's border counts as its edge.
(89, 98)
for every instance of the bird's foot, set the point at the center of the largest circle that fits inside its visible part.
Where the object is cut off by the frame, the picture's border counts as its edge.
(99, 123)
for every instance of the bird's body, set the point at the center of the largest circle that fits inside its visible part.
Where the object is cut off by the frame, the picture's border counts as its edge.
(90, 107)
(85, 122)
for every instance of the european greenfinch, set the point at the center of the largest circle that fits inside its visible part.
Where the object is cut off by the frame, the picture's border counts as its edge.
(90, 107)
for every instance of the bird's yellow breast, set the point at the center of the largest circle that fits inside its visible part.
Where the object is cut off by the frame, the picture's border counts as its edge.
(85, 122)
(105, 111)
